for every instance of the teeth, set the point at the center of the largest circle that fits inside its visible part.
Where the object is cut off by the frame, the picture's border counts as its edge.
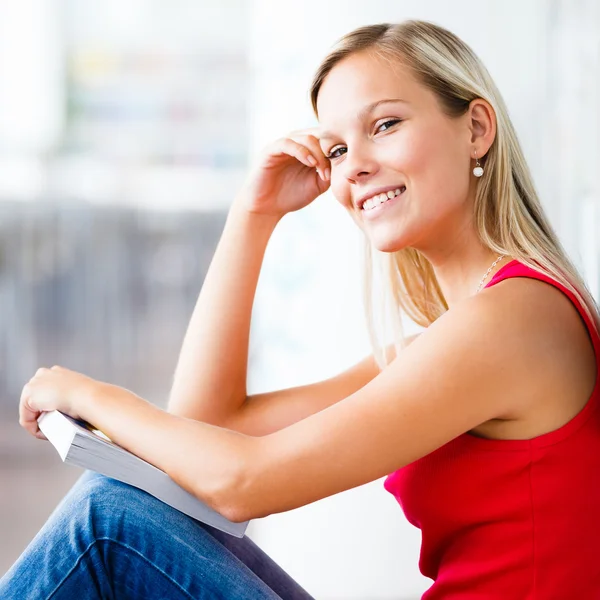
(381, 198)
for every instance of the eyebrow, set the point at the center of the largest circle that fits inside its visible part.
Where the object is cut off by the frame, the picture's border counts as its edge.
(364, 112)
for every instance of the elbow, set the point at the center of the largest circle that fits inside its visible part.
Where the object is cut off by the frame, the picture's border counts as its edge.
(240, 509)
(177, 407)
(236, 501)
(240, 496)
(236, 513)
(183, 404)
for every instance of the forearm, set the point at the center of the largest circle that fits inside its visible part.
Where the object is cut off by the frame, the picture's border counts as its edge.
(210, 378)
(210, 462)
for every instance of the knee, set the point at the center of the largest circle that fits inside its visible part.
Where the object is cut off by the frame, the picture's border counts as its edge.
(105, 510)
(101, 494)
(105, 507)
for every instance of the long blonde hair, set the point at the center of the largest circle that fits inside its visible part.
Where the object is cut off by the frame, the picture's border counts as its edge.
(507, 212)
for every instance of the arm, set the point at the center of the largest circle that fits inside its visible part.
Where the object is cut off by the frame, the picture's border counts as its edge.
(210, 379)
(268, 412)
(178, 445)
(471, 366)
(453, 378)
(405, 412)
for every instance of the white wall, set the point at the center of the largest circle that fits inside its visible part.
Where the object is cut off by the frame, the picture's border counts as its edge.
(570, 135)
(308, 315)
(31, 73)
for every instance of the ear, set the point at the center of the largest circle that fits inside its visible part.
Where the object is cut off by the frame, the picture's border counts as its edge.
(482, 125)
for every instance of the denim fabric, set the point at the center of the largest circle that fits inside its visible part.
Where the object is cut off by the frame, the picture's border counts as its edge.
(107, 540)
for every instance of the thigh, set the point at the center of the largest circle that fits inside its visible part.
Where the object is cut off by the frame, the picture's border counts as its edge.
(107, 539)
(261, 565)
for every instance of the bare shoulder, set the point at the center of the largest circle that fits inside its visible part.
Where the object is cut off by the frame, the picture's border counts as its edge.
(551, 350)
(539, 313)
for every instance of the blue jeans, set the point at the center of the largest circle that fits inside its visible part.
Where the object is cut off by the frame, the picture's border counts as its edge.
(108, 540)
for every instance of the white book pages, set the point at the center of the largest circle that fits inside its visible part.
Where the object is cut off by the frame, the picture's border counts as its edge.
(80, 446)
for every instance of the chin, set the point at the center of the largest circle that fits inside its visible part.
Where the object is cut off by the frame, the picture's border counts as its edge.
(390, 236)
(388, 246)
(396, 236)
(388, 239)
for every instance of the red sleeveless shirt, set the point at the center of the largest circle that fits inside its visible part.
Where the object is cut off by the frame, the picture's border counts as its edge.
(511, 519)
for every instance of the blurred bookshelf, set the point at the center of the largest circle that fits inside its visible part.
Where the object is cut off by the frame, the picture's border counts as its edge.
(157, 84)
(104, 290)
(107, 227)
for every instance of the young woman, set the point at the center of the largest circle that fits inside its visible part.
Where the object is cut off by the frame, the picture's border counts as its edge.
(486, 424)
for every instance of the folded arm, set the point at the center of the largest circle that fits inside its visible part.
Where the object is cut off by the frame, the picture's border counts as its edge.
(470, 366)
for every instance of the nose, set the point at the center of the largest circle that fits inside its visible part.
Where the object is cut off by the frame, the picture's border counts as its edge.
(358, 165)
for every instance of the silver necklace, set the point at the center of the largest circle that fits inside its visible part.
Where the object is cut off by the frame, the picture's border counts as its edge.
(488, 272)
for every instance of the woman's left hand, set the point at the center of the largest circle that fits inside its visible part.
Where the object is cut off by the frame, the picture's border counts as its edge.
(56, 389)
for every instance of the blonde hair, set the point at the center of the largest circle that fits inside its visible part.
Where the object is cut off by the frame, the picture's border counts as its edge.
(507, 212)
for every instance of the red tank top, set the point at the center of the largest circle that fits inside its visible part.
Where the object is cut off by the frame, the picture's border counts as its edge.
(511, 519)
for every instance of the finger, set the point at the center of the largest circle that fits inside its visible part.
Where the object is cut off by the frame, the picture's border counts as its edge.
(28, 408)
(299, 151)
(28, 420)
(312, 143)
(28, 417)
(25, 393)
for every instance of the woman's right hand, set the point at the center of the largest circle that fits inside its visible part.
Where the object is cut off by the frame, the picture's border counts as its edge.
(290, 174)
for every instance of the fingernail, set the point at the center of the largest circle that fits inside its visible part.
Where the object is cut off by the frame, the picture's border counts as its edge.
(312, 160)
(327, 174)
(319, 173)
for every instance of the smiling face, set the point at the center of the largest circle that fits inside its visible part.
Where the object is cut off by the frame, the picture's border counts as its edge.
(385, 132)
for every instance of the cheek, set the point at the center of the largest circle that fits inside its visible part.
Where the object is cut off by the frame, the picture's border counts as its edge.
(416, 154)
(433, 163)
(340, 190)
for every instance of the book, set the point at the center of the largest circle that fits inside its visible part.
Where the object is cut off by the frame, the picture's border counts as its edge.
(78, 443)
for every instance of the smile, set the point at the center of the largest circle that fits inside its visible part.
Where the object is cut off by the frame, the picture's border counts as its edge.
(378, 202)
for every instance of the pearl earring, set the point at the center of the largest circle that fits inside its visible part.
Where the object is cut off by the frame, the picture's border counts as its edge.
(478, 170)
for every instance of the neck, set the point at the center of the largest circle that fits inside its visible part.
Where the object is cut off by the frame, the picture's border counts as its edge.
(459, 269)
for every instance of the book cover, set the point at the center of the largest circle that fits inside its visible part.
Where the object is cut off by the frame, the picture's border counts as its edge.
(78, 443)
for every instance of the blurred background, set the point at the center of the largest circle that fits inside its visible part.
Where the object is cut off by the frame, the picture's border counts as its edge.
(126, 129)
